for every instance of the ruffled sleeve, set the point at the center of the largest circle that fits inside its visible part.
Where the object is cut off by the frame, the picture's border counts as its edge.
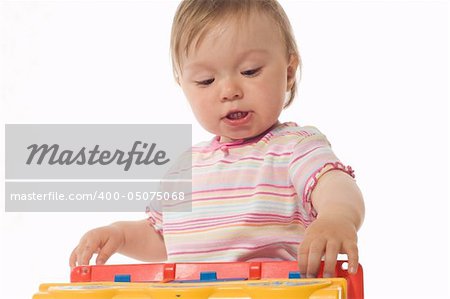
(312, 157)
(154, 216)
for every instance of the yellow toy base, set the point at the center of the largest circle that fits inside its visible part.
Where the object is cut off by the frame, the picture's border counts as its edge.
(317, 288)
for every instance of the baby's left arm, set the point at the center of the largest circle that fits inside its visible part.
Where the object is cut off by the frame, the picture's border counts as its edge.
(340, 212)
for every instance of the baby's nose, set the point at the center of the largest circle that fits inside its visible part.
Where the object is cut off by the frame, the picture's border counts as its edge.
(231, 90)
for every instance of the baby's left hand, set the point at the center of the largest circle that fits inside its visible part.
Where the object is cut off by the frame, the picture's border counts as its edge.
(327, 236)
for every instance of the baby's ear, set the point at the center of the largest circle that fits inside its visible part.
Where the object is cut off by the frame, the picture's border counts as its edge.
(292, 70)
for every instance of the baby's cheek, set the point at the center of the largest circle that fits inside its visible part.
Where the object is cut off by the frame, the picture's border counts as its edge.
(208, 122)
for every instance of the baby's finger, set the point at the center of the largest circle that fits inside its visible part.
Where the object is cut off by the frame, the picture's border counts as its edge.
(351, 249)
(73, 258)
(303, 258)
(331, 253)
(314, 257)
(105, 253)
(86, 253)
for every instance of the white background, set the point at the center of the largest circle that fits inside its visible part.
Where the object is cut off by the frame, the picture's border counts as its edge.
(375, 81)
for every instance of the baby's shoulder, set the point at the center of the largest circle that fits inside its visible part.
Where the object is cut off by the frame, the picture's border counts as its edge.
(291, 133)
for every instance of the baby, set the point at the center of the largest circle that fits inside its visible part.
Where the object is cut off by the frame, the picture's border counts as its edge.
(261, 189)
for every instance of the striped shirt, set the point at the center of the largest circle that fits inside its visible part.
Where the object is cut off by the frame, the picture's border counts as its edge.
(251, 199)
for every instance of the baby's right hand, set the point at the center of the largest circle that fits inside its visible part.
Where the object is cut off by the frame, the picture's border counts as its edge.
(104, 241)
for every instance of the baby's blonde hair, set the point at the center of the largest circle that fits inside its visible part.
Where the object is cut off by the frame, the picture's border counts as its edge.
(194, 18)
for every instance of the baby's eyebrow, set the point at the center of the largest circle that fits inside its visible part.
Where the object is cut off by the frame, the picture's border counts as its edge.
(196, 66)
(202, 65)
(253, 51)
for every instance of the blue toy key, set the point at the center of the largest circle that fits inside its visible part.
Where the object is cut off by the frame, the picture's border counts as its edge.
(208, 276)
(122, 278)
(294, 274)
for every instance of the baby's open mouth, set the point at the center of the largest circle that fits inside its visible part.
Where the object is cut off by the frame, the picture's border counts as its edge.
(237, 115)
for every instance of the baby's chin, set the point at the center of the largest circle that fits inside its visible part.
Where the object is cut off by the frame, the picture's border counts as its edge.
(252, 130)
(227, 135)
(235, 137)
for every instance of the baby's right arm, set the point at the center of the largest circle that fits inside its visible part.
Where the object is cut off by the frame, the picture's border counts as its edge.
(136, 239)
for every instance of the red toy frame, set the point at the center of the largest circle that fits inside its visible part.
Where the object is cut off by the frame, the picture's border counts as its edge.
(169, 272)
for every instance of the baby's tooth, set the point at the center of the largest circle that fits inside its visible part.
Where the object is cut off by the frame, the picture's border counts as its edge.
(237, 115)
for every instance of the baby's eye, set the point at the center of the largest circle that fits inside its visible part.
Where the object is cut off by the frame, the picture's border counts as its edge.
(252, 72)
(205, 82)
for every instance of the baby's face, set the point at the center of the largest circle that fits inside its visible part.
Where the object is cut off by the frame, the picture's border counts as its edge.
(237, 78)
